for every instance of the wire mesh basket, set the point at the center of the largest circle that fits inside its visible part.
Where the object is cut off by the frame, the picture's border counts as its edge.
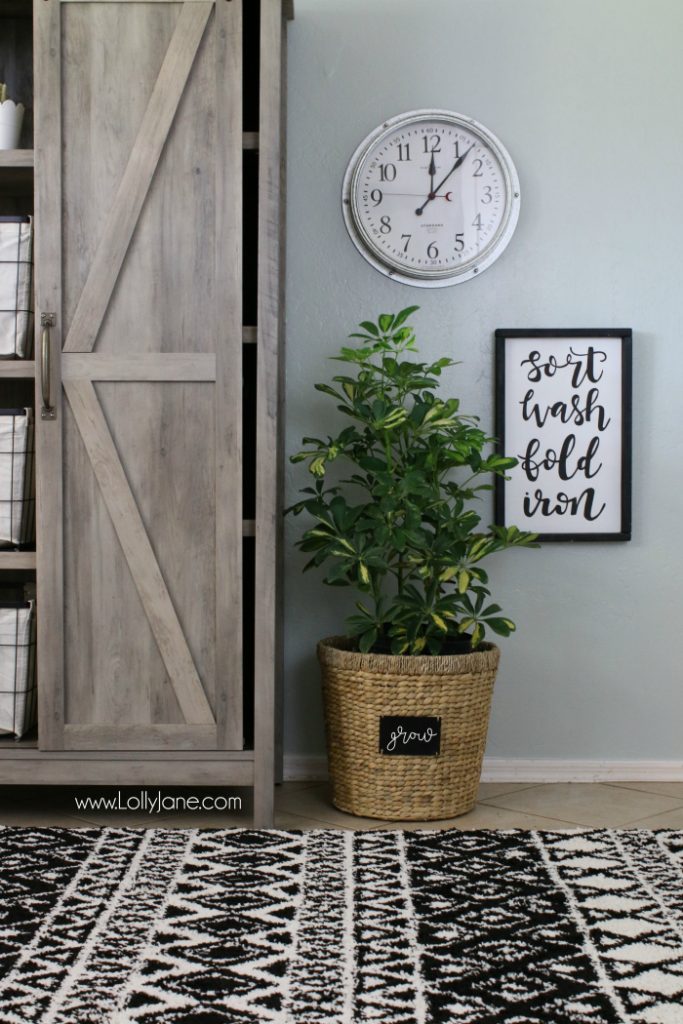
(18, 693)
(16, 287)
(17, 478)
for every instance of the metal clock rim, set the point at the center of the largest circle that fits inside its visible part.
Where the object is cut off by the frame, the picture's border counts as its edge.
(430, 278)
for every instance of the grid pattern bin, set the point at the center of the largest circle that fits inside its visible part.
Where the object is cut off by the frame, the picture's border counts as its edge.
(16, 287)
(18, 704)
(17, 478)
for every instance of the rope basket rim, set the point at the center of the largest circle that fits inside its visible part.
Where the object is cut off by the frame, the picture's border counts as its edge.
(336, 652)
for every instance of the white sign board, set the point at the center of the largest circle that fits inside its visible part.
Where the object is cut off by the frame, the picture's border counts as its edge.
(564, 412)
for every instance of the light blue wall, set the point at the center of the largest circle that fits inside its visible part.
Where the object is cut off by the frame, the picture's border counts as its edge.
(586, 95)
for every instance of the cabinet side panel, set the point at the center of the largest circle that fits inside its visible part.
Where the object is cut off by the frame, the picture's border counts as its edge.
(48, 299)
(268, 443)
(228, 328)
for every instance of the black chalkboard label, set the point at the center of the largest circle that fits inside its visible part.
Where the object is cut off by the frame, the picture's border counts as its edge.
(416, 735)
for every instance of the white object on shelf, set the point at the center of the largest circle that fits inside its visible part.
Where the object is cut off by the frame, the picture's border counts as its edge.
(11, 120)
(17, 477)
(17, 667)
(16, 286)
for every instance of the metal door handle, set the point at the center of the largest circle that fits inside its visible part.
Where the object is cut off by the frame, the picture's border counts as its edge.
(47, 321)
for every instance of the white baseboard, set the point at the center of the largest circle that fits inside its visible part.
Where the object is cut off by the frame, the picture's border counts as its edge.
(313, 768)
(550, 769)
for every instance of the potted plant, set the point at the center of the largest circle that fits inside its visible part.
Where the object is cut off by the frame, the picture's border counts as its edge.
(399, 527)
(11, 119)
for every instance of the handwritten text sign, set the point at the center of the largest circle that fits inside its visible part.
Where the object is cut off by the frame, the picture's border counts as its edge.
(409, 734)
(562, 412)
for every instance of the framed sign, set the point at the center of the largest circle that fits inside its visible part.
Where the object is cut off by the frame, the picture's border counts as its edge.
(410, 735)
(563, 409)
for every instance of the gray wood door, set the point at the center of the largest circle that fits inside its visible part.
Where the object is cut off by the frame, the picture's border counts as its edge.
(138, 241)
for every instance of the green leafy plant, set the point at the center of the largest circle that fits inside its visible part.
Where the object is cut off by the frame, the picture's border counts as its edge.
(400, 527)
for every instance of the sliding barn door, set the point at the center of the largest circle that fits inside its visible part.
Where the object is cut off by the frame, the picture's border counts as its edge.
(138, 165)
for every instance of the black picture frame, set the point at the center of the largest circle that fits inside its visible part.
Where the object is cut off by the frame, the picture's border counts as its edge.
(520, 513)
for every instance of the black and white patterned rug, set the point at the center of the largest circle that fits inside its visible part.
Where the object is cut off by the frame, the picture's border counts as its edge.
(125, 926)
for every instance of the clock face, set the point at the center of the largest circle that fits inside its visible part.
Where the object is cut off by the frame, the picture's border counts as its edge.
(431, 198)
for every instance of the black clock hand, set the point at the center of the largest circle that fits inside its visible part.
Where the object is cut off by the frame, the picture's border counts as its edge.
(455, 166)
(432, 175)
(432, 194)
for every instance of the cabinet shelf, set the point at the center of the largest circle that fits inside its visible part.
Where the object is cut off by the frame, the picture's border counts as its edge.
(17, 559)
(17, 369)
(9, 746)
(14, 158)
(16, 172)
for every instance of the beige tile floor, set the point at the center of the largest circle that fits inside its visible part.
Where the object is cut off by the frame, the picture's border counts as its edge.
(304, 805)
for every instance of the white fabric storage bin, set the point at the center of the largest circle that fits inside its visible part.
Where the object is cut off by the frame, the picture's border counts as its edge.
(17, 477)
(18, 704)
(16, 287)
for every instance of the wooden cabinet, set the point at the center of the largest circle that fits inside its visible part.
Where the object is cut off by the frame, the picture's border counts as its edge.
(157, 400)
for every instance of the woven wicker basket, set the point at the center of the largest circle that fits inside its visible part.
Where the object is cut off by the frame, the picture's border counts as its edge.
(360, 688)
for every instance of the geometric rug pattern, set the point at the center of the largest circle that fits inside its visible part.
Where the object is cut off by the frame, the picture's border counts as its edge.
(127, 926)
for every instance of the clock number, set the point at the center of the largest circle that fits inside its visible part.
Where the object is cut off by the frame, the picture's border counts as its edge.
(404, 148)
(376, 196)
(407, 238)
(476, 223)
(460, 241)
(387, 172)
(478, 172)
(385, 225)
(456, 144)
(488, 195)
(432, 251)
(435, 147)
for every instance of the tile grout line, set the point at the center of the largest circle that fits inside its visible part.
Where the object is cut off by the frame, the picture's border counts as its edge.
(518, 788)
(652, 817)
(318, 822)
(632, 788)
(543, 817)
(491, 802)
(537, 814)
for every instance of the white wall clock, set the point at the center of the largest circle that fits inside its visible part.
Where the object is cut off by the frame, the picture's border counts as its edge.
(431, 198)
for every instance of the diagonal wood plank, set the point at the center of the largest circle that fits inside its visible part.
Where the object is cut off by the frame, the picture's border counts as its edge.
(144, 158)
(138, 551)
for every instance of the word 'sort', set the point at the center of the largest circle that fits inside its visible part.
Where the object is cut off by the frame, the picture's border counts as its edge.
(585, 366)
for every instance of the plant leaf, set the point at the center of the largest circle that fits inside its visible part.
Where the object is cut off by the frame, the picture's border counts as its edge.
(401, 317)
(367, 640)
